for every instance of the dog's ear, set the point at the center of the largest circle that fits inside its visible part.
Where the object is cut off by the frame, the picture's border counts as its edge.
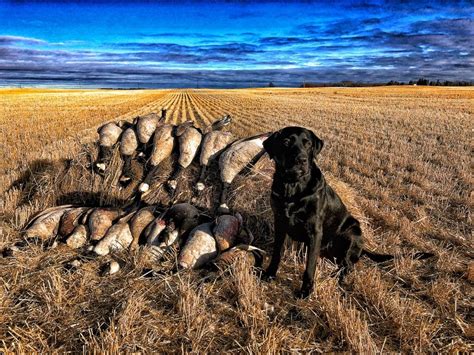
(270, 144)
(317, 144)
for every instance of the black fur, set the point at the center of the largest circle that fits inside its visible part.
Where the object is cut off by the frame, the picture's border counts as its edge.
(307, 209)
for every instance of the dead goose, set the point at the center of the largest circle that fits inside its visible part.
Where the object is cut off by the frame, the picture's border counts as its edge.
(253, 256)
(199, 249)
(154, 229)
(145, 128)
(234, 159)
(175, 223)
(163, 144)
(189, 140)
(100, 220)
(146, 125)
(118, 237)
(226, 231)
(78, 237)
(213, 143)
(139, 222)
(109, 135)
(70, 220)
(45, 225)
(128, 148)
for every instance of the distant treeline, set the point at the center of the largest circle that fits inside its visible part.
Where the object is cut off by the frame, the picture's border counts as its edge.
(421, 81)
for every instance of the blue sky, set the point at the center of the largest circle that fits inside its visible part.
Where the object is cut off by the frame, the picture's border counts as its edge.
(232, 44)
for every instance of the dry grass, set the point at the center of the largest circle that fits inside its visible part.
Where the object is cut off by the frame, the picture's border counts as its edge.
(31, 119)
(404, 152)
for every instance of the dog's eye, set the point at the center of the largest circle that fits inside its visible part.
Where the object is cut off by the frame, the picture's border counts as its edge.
(306, 141)
(286, 142)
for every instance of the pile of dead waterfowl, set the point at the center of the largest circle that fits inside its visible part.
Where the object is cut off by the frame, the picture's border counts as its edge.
(199, 238)
(150, 140)
(100, 231)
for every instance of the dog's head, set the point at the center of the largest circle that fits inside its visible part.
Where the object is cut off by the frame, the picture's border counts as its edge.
(293, 150)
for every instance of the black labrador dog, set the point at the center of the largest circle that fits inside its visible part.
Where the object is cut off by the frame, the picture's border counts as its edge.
(307, 209)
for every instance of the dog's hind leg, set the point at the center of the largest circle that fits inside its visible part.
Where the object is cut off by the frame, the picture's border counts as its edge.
(353, 245)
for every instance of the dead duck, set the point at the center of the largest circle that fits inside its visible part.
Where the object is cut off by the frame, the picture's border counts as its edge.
(234, 159)
(180, 219)
(109, 135)
(135, 141)
(81, 232)
(163, 144)
(213, 143)
(189, 141)
(208, 240)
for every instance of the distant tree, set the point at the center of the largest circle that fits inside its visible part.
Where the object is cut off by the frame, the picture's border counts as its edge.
(271, 85)
(422, 81)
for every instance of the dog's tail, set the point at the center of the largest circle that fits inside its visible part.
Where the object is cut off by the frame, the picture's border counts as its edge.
(380, 258)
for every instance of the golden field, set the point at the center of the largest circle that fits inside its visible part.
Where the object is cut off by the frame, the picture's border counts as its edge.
(400, 156)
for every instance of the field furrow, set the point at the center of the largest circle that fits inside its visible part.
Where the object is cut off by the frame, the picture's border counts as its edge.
(207, 113)
(199, 117)
(173, 108)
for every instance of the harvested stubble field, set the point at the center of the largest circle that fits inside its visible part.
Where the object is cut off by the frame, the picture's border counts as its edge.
(400, 156)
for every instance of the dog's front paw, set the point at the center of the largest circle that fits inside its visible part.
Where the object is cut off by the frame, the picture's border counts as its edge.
(305, 292)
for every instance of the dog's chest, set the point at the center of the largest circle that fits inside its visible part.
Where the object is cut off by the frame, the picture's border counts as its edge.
(295, 214)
